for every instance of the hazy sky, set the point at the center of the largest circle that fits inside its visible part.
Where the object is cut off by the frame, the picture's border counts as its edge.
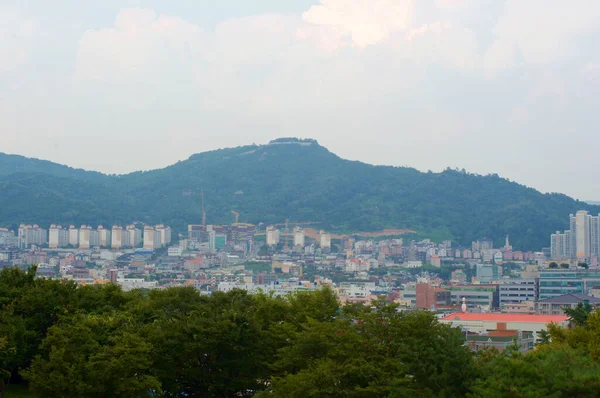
(509, 87)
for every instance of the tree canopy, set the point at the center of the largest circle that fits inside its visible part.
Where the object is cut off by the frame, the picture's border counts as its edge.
(64, 340)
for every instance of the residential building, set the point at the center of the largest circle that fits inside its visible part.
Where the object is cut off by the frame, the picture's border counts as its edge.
(298, 238)
(558, 246)
(57, 237)
(73, 236)
(85, 236)
(582, 238)
(273, 236)
(149, 237)
(104, 236)
(32, 235)
(135, 236)
(117, 237)
(325, 239)
(556, 305)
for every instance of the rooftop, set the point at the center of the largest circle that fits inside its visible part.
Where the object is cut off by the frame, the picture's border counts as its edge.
(531, 318)
(571, 298)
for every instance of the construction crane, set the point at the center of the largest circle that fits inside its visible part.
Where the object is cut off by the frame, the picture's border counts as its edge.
(203, 212)
(237, 216)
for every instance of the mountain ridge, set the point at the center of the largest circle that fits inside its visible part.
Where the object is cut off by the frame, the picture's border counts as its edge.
(277, 181)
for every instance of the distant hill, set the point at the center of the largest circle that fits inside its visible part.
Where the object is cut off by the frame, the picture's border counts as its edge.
(290, 179)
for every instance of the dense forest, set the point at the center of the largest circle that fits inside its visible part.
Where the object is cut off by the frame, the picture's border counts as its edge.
(61, 340)
(272, 183)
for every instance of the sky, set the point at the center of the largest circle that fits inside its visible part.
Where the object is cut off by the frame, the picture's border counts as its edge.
(493, 86)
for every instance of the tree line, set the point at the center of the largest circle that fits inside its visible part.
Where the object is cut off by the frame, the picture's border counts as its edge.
(65, 340)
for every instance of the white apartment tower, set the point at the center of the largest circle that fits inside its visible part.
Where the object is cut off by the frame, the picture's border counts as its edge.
(117, 237)
(135, 236)
(53, 236)
(104, 235)
(582, 232)
(165, 235)
(57, 237)
(73, 236)
(272, 236)
(298, 238)
(85, 236)
(32, 235)
(149, 237)
(558, 246)
(325, 240)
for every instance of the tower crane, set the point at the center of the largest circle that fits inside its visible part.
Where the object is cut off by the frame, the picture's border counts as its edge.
(237, 216)
(203, 212)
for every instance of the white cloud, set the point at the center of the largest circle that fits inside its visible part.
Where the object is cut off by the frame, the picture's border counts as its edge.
(140, 44)
(16, 34)
(365, 22)
(545, 30)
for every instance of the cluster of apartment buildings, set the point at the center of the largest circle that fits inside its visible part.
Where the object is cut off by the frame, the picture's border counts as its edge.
(580, 242)
(274, 236)
(85, 237)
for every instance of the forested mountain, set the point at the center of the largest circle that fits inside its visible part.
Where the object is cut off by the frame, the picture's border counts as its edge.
(300, 181)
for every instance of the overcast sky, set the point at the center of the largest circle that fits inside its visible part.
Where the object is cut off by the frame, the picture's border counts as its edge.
(509, 87)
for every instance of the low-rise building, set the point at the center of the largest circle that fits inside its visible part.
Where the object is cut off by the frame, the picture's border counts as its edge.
(557, 305)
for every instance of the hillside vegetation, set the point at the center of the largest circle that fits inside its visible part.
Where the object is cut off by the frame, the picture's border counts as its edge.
(271, 183)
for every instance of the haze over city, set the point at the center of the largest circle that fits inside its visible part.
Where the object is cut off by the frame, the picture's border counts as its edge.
(503, 87)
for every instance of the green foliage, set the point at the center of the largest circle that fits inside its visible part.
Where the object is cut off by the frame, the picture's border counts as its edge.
(98, 341)
(545, 372)
(273, 183)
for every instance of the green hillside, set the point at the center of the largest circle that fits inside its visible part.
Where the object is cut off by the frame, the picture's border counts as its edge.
(299, 181)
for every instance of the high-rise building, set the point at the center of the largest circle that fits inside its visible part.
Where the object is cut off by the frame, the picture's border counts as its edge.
(94, 238)
(325, 239)
(32, 235)
(582, 235)
(149, 237)
(105, 236)
(559, 243)
(117, 237)
(594, 236)
(135, 236)
(272, 236)
(57, 237)
(73, 236)
(85, 236)
(298, 238)
(573, 236)
(164, 235)
(558, 246)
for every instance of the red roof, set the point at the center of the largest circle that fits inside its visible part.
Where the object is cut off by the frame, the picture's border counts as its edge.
(470, 316)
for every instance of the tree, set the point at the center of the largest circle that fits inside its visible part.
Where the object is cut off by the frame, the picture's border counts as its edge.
(93, 356)
(6, 352)
(579, 314)
(377, 352)
(553, 265)
(565, 265)
(583, 265)
(547, 371)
